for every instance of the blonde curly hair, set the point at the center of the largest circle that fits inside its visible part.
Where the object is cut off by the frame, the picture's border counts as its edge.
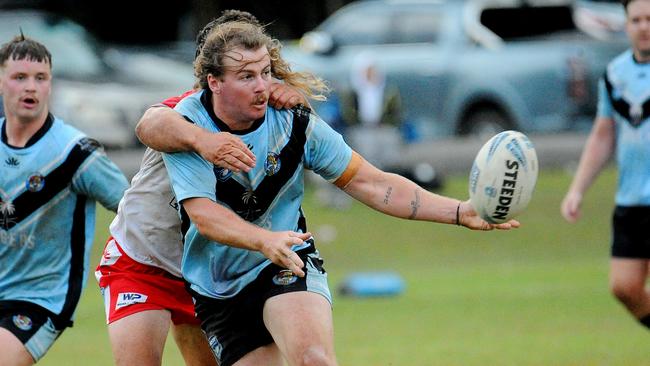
(228, 36)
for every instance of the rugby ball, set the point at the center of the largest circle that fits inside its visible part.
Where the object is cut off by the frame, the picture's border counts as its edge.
(503, 177)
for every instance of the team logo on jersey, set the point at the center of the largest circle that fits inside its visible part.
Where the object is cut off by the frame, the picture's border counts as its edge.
(636, 114)
(129, 298)
(11, 161)
(23, 322)
(272, 164)
(222, 174)
(284, 278)
(35, 182)
(88, 144)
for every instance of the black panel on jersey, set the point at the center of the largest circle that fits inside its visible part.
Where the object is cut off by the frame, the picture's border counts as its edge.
(622, 107)
(75, 278)
(258, 201)
(185, 222)
(56, 181)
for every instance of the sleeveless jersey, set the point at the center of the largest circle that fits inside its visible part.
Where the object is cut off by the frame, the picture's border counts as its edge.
(624, 95)
(270, 195)
(48, 191)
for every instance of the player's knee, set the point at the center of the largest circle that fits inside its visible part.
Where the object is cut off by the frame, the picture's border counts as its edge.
(316, 356)
(627, 294)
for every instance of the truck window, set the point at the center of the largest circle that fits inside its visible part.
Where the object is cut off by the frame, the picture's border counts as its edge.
(353, 28)
(524, 22)
(416, 28)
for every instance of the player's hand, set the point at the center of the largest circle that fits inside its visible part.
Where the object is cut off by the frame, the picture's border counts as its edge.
(469, 218)
(277, 248)
(282, 96)
(225, 150)
(570, 207)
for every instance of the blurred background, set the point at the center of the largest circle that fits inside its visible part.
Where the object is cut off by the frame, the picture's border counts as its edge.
(416, 85)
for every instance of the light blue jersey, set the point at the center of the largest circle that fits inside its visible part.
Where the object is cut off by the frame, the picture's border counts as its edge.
(624, 95)
(270, 195)
(48, 191)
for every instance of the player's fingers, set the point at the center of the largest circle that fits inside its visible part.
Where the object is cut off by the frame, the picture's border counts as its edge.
(244, 161)
(512, 224)
(294, 263)
(234, 164)
(302, 236)
(291, 102)
(277, 98)
(241, 154)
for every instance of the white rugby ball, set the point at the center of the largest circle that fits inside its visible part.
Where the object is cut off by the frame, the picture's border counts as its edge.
(503, 177)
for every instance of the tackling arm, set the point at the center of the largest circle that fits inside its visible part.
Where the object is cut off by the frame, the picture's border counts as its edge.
(163, 129)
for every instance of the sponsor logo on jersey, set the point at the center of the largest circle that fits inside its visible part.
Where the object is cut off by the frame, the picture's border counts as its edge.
(35, 182)
(173, 203)
(11, 161)
(23, 322)
(222, 174)
(216, 347)
(7, 210)
(272, 164)
(88, 144)
(111, 254)
(284, 277)
(129, 298)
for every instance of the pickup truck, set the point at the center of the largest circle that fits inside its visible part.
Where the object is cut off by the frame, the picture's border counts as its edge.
(468, 67)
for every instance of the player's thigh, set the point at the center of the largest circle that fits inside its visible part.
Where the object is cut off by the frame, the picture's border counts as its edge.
(301, 325)
(12, 350)
(139, 339)
(192, 343)
(268, 355)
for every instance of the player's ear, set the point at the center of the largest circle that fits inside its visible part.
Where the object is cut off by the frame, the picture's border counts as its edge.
(214, 83)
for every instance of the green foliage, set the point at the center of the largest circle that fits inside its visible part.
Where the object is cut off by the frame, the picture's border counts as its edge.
(534, 296)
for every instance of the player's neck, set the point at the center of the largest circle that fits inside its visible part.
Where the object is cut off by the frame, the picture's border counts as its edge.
(234, 123)
(20, 130)
(642, 56)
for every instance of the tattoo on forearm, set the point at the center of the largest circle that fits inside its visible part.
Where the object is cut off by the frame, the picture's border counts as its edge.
(387, 196)
(415, 204)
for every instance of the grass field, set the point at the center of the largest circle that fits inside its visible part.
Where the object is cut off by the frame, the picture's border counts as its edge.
(534, 296)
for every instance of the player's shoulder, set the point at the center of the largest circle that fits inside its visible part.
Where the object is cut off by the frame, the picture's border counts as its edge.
(621, 63)
(67, 136)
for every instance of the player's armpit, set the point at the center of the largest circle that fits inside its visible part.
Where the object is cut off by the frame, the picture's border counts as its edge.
(349, 172)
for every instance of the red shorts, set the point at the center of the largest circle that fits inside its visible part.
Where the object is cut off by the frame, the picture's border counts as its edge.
(130, 287)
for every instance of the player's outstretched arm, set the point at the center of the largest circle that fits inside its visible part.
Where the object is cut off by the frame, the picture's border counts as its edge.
(222, 225)
(395, 195)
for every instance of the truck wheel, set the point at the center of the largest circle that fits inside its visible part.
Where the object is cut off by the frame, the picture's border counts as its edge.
(485, 123)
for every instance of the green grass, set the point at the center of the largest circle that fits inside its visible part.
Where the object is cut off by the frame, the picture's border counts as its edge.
(534, 296)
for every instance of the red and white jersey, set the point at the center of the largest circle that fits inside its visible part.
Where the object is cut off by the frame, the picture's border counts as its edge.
(147, 224)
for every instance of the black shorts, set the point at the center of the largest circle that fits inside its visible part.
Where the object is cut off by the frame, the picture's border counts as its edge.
(31, 324)
(631, 232)
(234, 326)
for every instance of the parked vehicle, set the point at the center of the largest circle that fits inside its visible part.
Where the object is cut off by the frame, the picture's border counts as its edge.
(102, 99)
(468, 67)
